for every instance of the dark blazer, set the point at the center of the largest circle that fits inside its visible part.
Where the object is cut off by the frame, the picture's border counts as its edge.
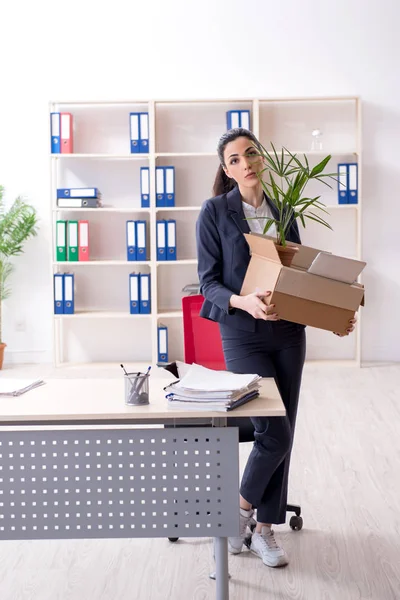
(224, 255)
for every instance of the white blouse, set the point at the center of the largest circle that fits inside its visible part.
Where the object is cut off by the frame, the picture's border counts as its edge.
(262, 213)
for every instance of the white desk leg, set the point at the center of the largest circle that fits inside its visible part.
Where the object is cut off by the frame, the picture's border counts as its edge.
(222, 574)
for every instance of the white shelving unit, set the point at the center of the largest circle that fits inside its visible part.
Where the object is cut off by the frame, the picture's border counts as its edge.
(183, 134)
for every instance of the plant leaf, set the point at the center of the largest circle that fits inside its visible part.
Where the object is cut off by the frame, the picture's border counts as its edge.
(318, 220)
(16, 226)
(274, 187)
(6, 269)
(268, 225)
(306, 205)
(279, 167)
(293, 157)
(320, 166)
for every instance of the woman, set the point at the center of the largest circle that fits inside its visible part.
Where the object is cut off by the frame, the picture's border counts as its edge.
(254, 339)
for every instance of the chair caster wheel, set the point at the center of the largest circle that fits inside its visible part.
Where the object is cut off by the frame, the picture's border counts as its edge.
(296, 523)
(173, 539)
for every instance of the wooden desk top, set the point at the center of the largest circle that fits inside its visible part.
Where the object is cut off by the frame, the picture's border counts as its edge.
(102, 400)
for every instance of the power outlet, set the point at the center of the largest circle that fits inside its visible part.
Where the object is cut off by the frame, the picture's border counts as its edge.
(20, 325)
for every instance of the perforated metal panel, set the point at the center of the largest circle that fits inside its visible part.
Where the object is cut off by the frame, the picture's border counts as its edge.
(119, 483)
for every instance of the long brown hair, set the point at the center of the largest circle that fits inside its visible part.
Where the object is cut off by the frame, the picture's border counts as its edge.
(224, 184)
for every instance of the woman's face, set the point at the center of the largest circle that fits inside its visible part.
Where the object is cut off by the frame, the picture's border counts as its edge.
(243, 162)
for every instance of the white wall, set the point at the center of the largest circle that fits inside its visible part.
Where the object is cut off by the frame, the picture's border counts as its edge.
(182, 49)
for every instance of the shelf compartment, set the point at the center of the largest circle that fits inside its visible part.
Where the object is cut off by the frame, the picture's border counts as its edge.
(103, 129)
(193, 127)
(119, 183)
(289, 124)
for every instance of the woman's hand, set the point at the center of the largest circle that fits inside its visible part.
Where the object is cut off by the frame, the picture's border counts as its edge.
(352, 324)
(254, 305)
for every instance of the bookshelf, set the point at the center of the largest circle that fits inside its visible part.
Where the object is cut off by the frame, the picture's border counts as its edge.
(182, 134)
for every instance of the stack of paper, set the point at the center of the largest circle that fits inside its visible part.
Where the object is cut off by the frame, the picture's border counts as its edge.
(16, 387)
(206, 389)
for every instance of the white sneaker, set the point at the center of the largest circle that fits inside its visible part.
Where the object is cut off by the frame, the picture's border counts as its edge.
(264, 545)
(235, 544)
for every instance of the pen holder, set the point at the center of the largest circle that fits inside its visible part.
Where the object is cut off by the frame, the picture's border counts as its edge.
(136, 389)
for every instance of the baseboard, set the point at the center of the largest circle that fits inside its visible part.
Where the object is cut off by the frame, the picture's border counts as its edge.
(18, 357)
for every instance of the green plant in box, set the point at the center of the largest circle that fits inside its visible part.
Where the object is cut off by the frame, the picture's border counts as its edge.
(284, 180)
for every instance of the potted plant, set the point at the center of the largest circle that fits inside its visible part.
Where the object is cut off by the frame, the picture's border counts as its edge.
(288, 194)
(17, 224)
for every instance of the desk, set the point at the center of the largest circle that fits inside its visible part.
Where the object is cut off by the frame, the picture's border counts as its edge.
(65, 472)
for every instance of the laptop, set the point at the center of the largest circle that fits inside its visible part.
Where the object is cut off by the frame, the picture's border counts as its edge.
(336, 267)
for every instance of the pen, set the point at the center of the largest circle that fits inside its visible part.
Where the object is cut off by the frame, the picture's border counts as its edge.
(139, 386)
(127, 374)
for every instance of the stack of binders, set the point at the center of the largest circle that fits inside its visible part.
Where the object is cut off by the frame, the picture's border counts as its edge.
(136, 240)
(205, 389)
(165, 186)
(72, 241)
(166, 239)
(348, 183)
(139, 132)
(78, 198)
(139, 294)
(61, 133)
(64, 294)
(238, 118)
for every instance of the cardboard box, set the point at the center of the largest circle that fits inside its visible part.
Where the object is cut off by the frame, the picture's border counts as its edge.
(299, 296)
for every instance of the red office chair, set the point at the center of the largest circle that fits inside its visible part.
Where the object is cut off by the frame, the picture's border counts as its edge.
(202, 340)
(203, 346)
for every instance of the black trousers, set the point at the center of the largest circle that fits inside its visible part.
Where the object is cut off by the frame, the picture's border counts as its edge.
(277, 349)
